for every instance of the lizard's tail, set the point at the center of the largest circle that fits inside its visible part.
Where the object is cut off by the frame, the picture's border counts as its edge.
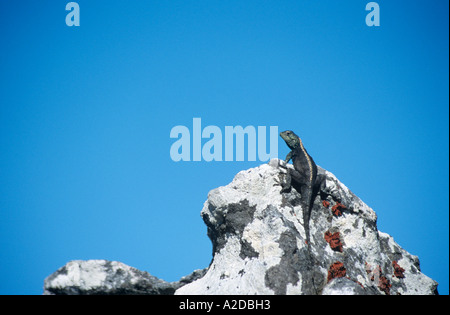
(308, 205)
(309, 198)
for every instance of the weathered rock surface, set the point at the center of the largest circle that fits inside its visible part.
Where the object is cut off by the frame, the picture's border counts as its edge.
(259, 247)
(102, 277)
(259, 242)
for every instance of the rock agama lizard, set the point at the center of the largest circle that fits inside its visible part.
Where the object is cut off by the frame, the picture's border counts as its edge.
(305, 178)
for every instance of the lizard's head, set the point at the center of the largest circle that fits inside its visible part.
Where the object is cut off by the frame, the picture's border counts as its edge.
(291, 139)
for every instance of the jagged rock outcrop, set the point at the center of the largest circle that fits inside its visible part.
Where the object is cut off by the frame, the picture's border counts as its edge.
(103, 277)
(259, 242)
(259, 247)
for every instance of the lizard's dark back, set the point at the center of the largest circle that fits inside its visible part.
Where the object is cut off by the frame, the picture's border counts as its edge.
(300, 161)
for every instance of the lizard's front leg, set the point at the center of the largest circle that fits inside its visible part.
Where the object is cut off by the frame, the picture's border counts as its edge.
(289, 157)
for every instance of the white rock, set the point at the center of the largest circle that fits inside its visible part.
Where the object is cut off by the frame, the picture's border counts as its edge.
(256, 226)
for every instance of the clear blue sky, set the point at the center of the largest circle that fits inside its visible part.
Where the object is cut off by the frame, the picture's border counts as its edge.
(86, 113)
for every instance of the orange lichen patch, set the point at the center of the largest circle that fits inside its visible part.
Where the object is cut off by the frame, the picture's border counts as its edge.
(338, 208)
(325, 203)
(383, 283)
(336, 270)
(333, 239)
(398, 271)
